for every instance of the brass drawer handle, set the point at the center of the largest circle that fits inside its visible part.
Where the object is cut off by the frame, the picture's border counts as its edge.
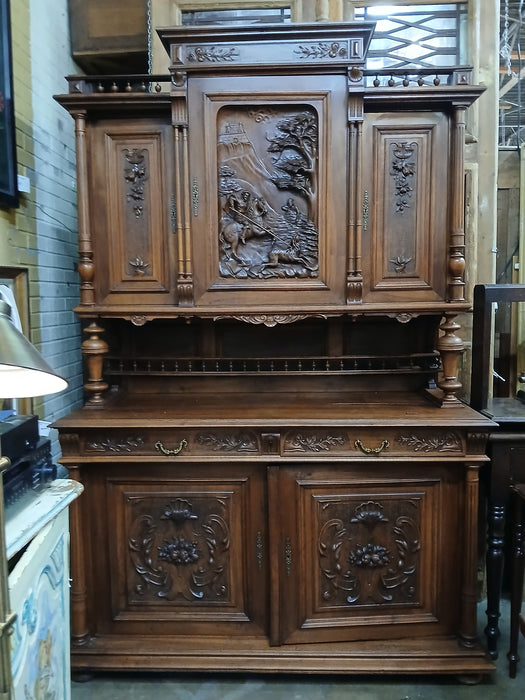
(371, 450)
(160, 447)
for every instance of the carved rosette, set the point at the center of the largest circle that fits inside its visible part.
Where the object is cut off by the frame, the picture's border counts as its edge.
(179, 550)
(370, 554)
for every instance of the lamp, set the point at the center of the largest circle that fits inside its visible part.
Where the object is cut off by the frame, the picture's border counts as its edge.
(23, 370)
(23, 373)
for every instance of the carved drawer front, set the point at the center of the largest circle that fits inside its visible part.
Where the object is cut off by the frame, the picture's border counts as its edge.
(174, 442)
(360, 553)
(405, 226)
(186, 553)
(133, 216)
(356, 442)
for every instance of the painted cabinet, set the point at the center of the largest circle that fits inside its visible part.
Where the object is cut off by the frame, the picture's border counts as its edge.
(37, 540)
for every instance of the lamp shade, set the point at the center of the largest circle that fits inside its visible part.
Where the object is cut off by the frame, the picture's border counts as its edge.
(23, 370)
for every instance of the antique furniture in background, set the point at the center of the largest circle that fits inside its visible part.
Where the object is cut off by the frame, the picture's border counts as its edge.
(278, 473)
(507, 442)
(517, 620)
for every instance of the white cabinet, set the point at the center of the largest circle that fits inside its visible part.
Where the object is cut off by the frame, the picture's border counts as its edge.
(37, 540)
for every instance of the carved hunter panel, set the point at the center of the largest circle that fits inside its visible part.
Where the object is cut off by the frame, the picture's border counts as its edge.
(271, 164)
(268, 203)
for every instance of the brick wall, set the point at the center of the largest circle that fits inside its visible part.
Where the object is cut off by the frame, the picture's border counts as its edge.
(40, 237)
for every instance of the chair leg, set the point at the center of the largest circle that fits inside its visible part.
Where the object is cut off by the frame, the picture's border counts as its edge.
(517, 574)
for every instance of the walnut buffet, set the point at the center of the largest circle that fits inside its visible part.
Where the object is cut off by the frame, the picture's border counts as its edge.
(278, 474)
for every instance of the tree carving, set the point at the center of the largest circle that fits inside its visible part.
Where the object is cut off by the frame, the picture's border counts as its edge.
(267, 173)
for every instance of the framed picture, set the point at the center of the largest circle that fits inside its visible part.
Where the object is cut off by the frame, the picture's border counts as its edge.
(8, 170)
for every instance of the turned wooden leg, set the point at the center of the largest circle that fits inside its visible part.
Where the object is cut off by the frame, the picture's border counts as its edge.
(518, 565)
(494, 567)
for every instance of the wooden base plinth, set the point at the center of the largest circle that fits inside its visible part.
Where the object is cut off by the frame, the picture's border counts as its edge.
(422, 656)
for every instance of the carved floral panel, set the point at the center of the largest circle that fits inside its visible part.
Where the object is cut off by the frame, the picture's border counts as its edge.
(179, 549)
(369, 551)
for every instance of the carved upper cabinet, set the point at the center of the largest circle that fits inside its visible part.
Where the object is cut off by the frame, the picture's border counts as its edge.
(272, 176)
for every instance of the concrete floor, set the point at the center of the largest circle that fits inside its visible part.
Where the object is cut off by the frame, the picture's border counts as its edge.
(128, 686)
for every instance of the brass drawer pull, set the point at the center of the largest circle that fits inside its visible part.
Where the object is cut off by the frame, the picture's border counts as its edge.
(371, 450)
(160, 447)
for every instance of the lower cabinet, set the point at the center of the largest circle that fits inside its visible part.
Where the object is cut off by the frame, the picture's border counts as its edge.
(185, 552)
(370, 554)
(243, 561)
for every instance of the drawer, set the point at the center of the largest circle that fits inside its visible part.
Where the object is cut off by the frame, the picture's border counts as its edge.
(287, 442)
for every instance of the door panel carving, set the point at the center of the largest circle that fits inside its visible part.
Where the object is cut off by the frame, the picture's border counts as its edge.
(184, 551)
(370, 555)
(406, 169)
(261, 169)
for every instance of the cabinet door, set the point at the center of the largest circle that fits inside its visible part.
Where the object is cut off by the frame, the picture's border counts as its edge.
(371, 553)
(130, 205)
(269, 160)
(178, 551)
(405, 222)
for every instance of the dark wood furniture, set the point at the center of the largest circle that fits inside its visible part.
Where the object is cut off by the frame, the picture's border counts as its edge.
(517, 620)
(506, 443)
(278, 474)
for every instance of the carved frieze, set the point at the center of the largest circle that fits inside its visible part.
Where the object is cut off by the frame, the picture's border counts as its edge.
(233, 442)
(115, 445)
(447, 442)
(302, 442)
(321, 49)
(271, 320)
(212, 54)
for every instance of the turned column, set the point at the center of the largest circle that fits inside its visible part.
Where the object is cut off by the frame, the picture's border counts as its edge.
(94, 349)
(456, 257)
(450, 347)
(86, 268)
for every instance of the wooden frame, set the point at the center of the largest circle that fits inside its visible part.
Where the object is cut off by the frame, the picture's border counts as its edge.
(8, 167)
(16, 279)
